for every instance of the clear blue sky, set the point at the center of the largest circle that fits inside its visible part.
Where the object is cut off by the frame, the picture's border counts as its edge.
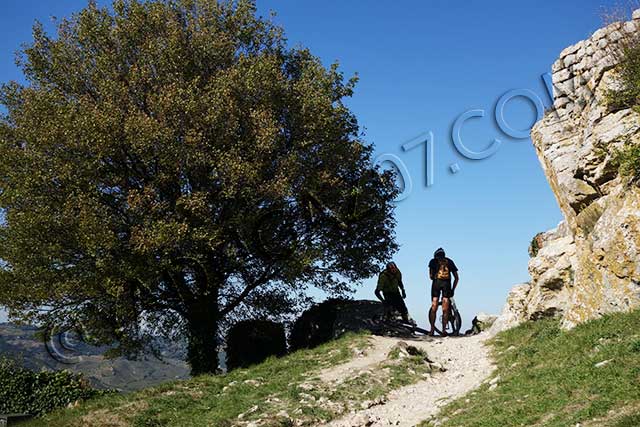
(422, 64)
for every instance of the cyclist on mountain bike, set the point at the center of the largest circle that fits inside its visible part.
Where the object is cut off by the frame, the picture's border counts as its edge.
(390, 291)
(440, 270)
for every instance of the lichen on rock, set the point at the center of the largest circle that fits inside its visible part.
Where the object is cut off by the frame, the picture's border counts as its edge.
(589, 265)
(552, 274)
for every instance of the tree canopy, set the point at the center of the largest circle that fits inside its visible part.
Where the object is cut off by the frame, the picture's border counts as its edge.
(172, 165)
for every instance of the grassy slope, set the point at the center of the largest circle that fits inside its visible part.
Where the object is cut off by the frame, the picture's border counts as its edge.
(204, 400)
(548, 377)
(275, 391)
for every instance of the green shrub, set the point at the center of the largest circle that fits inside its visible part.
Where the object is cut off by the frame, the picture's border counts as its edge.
(250, 342)
(534, 246)
(628, 94)
(36, 393)
(315, 326)
(628, 161)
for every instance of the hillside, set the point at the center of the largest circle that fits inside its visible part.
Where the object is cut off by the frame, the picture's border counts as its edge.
(544, 376)
(23, 344)
(356, 380)
(564, 352)
(588, 376)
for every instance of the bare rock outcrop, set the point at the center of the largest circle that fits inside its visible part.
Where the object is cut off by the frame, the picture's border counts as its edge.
(590, 265)
(332, 318)
(548, 293)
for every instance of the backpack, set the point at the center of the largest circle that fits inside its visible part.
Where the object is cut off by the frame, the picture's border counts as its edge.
(443, 269)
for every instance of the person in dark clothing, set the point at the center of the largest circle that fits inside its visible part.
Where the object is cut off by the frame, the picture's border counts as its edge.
(390, 291)
(441, 269)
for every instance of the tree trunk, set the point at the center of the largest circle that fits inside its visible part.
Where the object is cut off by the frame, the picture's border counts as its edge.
(202, 349)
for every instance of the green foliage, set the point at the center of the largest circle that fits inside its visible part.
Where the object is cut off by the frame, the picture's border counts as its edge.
(549, 377)
(217, 399)
(252, 341)
(628, 161)
(36, 393)
(534, 246)
(173, 163)
(628, 94)
(316, 325)
(290, 384)
(394, 354)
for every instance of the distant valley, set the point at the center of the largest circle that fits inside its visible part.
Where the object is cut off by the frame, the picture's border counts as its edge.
(26, 345)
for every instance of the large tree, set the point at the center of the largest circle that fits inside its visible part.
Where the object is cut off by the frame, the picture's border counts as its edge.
(172, 164)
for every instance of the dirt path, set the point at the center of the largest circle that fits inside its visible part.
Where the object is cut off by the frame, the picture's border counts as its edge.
(465, 358)
(363, 361)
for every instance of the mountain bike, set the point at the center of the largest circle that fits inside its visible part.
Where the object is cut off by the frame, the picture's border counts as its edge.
(455, 319)
(393, 324)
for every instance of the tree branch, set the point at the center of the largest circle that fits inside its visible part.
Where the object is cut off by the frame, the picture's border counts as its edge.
(246, 291)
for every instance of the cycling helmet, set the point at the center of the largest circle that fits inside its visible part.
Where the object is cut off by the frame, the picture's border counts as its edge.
(439, 253)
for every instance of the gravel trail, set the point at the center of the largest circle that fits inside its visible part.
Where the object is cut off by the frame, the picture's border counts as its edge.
(467, 362)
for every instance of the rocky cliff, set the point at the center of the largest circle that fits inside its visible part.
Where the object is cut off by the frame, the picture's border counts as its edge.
(589, 265)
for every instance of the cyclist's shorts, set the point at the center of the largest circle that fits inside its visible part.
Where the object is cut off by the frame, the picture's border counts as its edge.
(395, 301)
(441, 287)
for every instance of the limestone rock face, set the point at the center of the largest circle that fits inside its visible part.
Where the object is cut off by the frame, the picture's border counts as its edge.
(515, 309)
(553, 254)
(552, 274)
(575, 146)
(590, 265)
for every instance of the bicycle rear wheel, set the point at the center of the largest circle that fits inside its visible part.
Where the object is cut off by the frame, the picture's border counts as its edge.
(455, 321)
